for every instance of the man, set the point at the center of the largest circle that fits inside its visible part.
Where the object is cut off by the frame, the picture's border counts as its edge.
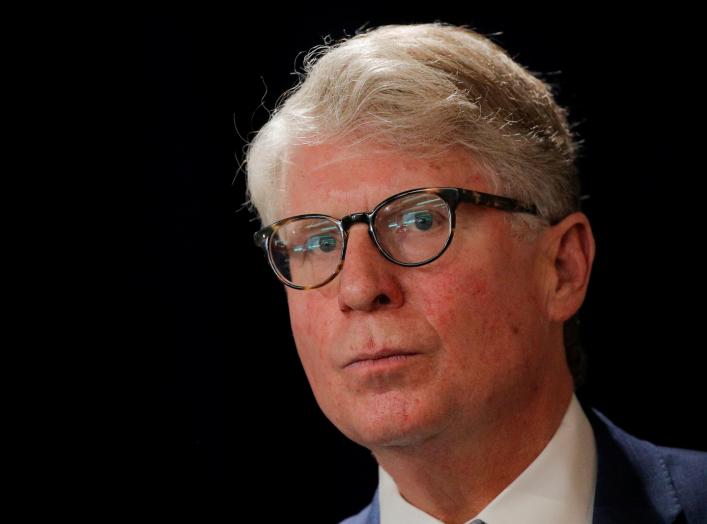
(421, 204)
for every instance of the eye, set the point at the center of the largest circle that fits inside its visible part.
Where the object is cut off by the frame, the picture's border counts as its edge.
(422, 220)
(326, 243)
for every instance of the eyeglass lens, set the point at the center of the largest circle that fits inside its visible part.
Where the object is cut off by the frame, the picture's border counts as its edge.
(411, 229)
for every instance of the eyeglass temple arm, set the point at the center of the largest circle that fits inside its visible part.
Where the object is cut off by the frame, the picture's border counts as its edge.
(498, 202)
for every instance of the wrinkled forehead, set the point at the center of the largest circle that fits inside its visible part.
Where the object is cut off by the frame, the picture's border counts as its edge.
(340, 179)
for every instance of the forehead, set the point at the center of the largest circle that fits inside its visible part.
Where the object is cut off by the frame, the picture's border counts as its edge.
(337, 180)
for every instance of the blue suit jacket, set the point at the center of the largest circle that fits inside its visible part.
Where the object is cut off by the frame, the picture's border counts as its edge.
(637, 482)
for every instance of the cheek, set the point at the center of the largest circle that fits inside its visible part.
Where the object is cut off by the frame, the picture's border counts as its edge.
(459, 303)
(315, 335)
(302, 311)
(311, 328)
(478, 316)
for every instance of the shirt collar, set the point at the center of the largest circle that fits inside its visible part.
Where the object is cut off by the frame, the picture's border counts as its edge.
(558, 486)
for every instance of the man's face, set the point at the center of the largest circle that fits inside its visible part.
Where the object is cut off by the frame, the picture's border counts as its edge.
(469, 327)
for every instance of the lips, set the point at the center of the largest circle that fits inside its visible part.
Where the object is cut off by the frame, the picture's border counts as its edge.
(379, 355)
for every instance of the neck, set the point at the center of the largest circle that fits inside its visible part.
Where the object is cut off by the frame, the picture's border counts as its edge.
(453, 478)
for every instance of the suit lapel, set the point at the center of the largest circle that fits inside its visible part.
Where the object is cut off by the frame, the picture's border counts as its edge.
(633, 482)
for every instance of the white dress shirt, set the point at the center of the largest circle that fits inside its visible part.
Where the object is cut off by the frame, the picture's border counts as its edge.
(557, 487)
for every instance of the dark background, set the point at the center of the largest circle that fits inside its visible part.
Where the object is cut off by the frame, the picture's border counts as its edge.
(224, 416)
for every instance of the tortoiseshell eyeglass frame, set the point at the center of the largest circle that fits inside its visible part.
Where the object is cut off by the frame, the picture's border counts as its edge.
(451, 195)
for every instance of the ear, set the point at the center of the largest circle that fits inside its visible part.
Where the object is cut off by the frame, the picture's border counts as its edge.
(569, 249)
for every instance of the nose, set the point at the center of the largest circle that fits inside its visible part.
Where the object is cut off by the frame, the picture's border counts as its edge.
(368, 281)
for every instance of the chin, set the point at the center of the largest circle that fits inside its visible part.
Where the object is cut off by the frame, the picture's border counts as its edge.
(391, 429)
(392, 438)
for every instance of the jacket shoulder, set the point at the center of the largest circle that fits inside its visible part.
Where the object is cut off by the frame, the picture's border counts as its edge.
(638, 476)
(688, 470)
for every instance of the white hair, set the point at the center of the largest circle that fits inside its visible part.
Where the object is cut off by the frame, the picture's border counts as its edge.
(423, 89)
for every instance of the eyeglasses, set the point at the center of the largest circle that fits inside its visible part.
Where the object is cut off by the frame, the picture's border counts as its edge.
(411, 229)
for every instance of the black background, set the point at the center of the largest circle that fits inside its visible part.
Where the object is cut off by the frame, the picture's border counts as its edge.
(220, 413)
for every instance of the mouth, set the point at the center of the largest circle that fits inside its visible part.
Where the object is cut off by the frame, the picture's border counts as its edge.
(381, 359)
